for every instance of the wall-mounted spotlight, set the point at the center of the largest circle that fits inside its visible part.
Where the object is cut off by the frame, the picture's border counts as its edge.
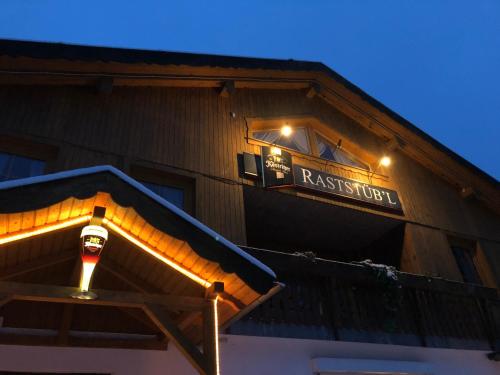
(286, 130)
(385, 161)
(93, 238)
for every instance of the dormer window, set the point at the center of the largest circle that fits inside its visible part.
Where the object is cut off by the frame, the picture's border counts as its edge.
(307, 136)
(336, 153)
(297, 140)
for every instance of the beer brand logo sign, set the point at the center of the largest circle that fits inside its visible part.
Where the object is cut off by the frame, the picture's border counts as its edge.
(93, 243)
(276, 167)
(344, 187)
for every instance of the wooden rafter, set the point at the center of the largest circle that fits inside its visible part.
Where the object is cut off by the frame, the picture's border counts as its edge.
(227, 89)
(136, 314)
(133, 281)
(313, 90)
(37, 264)
(160, 317)
(155, 307)
(60, 294)
(14, 339)
(188, 318)
(126, 276)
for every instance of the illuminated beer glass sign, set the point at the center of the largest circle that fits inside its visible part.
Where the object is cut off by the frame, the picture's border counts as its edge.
(93, 238)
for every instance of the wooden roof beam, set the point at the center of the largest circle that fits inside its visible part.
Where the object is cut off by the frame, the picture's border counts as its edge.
(171, 330)
(126, 276)
(34, 339)
(37, 264)
(60, 294)
(394, 144)
(227, 89)
(313, 90)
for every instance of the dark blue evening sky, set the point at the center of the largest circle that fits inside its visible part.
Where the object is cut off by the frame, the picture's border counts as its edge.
(435, 62)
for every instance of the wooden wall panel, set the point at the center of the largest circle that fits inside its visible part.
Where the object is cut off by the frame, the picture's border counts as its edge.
(191, 130)
(427, 251)
(491, 250)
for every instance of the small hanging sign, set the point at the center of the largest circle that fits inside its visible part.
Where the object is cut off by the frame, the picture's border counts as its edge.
(276, 167)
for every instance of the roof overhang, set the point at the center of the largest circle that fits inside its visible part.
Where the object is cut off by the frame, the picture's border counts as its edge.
(51, 203)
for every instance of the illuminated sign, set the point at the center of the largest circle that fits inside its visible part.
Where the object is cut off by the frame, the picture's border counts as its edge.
(343, 187)
(276, 167)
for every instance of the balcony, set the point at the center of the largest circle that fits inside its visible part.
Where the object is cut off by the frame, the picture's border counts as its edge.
(352, 302)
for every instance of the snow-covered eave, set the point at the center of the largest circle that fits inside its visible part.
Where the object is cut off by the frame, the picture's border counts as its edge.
(129, 180)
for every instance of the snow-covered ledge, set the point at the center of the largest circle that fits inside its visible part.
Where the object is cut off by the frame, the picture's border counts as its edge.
(369, 366)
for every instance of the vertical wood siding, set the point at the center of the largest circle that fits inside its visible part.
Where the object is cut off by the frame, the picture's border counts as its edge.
(191, 130)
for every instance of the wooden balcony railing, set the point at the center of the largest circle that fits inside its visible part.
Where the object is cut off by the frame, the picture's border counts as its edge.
(350, 302)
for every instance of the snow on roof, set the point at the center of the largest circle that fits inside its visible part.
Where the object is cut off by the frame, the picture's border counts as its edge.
(137, 185)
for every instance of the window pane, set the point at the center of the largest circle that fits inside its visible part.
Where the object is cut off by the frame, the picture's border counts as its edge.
(13, 167)
(172, 194)
(466, 265)
(330, 152)
(296, 141)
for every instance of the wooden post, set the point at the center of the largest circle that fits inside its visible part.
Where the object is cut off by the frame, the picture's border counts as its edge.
(210, 338)
(161, 319)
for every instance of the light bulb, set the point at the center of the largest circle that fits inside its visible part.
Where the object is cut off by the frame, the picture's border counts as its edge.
(286, 131)
(385, 161)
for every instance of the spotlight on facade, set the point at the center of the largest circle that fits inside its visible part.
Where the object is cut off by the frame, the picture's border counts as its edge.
(385, 161)
(93, 239)
(286, 130)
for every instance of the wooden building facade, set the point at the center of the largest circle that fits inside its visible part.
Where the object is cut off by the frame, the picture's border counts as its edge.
(197, 124)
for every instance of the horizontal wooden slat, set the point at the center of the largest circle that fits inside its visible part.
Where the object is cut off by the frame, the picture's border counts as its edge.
(58, 294)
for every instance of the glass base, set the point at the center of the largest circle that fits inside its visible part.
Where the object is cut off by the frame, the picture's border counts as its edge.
(84, 295)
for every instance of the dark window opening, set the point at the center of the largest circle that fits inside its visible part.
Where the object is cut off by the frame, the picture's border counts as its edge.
(14, 166)
(287, 223)
(172, 194)
(464, 257)
(178, 190)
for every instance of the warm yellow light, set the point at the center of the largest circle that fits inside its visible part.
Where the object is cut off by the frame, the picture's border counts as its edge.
(45, 229)
(275, 151)
(385, 161)
(87, 271)
(286, 130)
(216, 333)
(115, 228)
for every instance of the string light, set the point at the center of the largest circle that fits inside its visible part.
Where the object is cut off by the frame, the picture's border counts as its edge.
(115, 228)
(216, 333)
(45, 229)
